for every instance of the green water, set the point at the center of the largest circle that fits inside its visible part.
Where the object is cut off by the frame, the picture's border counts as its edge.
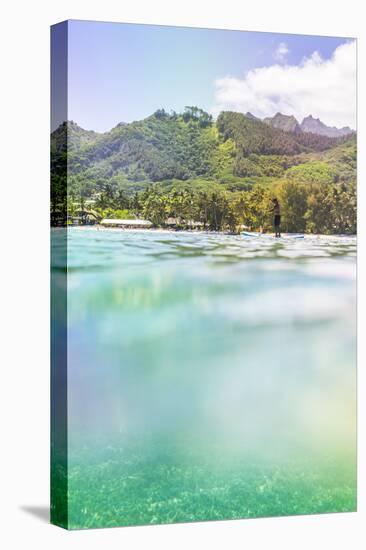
(209, 377)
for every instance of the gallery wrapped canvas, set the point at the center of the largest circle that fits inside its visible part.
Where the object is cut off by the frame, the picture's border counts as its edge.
(203, 251)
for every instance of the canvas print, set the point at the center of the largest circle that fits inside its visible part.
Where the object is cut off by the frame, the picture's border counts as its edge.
(203, 271)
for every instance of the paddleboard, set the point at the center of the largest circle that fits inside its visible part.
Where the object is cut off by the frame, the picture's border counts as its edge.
(252, 234)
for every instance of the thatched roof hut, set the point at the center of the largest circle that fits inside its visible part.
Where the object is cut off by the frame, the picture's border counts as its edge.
(127, 224)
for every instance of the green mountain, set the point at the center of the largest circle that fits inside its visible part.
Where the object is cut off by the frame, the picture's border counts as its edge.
(163, 147)
(201, 160)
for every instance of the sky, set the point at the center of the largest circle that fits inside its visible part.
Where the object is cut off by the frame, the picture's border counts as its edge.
(123, 72)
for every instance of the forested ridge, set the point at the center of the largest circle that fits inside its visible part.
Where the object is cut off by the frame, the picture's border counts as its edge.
(221, 173)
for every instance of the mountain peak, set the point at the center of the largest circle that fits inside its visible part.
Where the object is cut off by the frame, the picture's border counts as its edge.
(70, 136)
(250, 115)
(288, 123)
(316, 126)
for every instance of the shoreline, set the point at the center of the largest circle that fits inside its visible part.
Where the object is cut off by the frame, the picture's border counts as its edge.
(192, 232)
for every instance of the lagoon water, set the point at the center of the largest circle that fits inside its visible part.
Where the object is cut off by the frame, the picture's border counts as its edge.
(209, 376)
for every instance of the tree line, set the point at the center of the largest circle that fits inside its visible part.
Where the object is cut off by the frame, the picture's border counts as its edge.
(326, 208)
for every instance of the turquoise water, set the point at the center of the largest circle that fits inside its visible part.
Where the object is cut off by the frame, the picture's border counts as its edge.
(210, 376)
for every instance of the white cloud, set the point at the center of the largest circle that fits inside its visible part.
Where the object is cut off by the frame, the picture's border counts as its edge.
(281, 52)
(323, 88)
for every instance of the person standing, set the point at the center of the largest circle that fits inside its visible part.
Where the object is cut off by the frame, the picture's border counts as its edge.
(276, 217)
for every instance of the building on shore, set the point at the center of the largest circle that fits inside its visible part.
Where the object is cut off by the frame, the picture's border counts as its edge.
(61, 217)
(126, 224)
(186, 224)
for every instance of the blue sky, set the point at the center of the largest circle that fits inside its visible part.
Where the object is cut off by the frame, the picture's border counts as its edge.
(124, 72)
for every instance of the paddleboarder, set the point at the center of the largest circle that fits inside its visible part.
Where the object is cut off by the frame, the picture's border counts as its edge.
(277, 217)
